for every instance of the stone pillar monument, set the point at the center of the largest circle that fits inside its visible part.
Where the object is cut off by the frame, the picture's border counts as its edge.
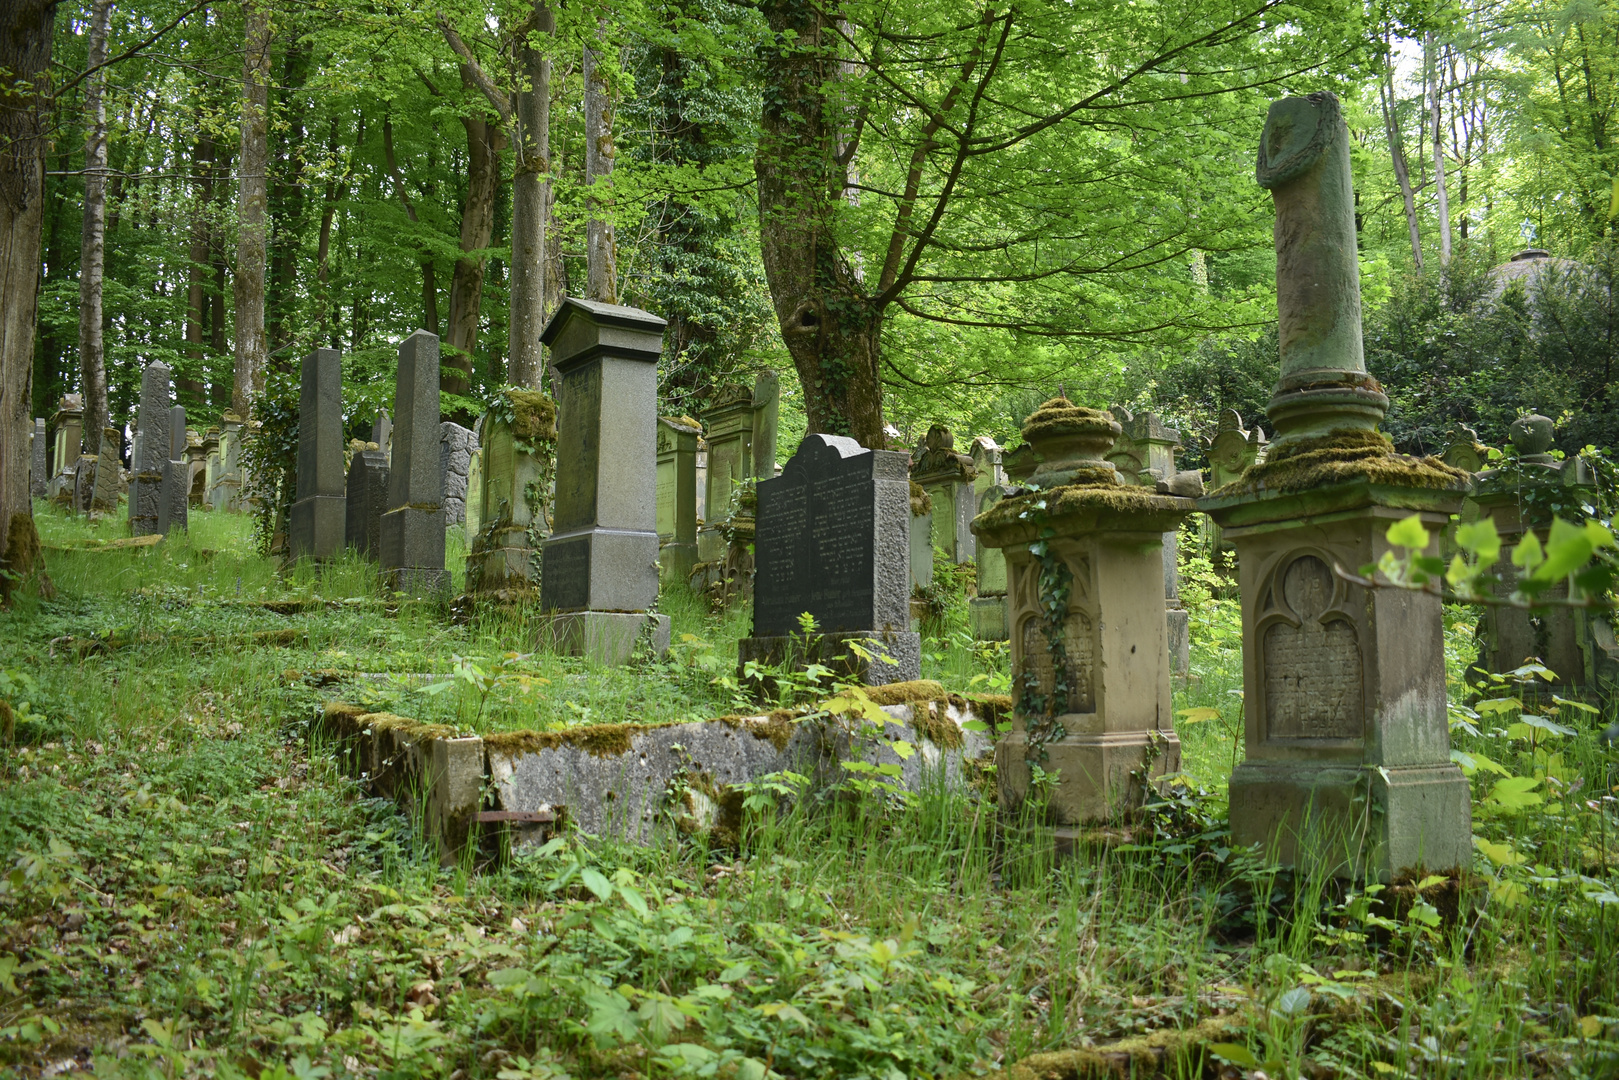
(766, 419)
(411, 543)
(196, 468)
(151, 451)
(316, 522)
(1348, 765)
(986, 612)
(38, 460)
(172, 509)
(68, 424)
(1090, 660)
(519, 462)
(599, 568)
(728, 429)
(947, 476)
(677, 497)
(225, 491)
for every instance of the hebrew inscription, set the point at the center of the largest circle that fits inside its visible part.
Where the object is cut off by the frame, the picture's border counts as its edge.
(1312, 672)
(1080, 642)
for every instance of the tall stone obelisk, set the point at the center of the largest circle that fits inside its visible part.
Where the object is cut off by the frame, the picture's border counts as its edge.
(1348, 765)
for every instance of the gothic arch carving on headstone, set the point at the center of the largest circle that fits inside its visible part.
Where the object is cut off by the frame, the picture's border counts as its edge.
(1310, 666)
(1079, 634)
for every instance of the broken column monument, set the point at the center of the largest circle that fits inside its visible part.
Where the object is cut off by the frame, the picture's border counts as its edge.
(1090, 656)
(150, 451)
(599, 567)
(1343, 686)
(411, 544)
(316, 523)
(832, 541)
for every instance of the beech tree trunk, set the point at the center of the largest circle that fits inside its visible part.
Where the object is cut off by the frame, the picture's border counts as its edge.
(196, 267)
(1402, 170)
(484, 144)
(92, 237)
(1442, 196)
(25, 63)
(831, 327)
(252, 204)
(531, 205)
(601, 269)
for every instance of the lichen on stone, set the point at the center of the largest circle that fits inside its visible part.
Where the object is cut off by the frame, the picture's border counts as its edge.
(1341, 456)
(903, 693)
(1059, 416)
(931, 721)
(597, 740)
(921, 501)
(1071, 499)
(534, 416)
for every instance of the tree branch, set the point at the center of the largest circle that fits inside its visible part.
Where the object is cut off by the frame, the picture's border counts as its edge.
(475, 73)
(132, 50)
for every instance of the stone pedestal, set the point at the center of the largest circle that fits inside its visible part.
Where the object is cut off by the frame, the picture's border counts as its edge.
(514, 499)
(607, 637)
(411, 544)
(1348, 767)
(677, 497)
(151, 452)
(832, 542)
(68, 424)
(603, 555)
(316, 523)
(1101, 719)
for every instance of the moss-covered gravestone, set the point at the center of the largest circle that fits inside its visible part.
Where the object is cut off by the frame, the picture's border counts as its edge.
(38, 460)
(1348, 764)
(68, 424)
(677, 497)
(514, 499)
(599, 567)
(986, 612)
(947, 476)
(1085, 594)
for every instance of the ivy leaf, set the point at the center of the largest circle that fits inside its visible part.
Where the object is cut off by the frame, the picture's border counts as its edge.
(1480, 538)
(1409, 533)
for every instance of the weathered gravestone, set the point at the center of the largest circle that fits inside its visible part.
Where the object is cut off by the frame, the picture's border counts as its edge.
(677, 497)
(986, 612)
(600, 565)
(740, 430)
(68, 424)
(456, 445)
(382, 433)
(365, 501)
(1343, 686)
(1085, 591)
(412, 530)
(519, 461)
(172, 508)
(317, 521)
(196, 468)
(109, 483)
(225, 489)
(1575, 643)
(84, 482)
(38, 460)
(947, 476)
(151, 452)
(832, 541)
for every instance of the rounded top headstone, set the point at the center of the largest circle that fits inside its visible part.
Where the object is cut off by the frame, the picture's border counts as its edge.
(1531, 435)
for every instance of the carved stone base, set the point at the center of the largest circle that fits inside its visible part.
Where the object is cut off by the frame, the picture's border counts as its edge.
(417, 581)
(1098, 775)
(1318, 816)
(509, 567)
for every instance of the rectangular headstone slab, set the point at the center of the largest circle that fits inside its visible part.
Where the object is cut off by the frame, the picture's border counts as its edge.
(316, 523)
(173, 512)
(832, 540)
(146, 496)
(603, 553)
(456, 444)
(68, 424)
(367, 499)
(109, 483)
(677, 497)
(84, 480)
(38, 460)
(412, 530)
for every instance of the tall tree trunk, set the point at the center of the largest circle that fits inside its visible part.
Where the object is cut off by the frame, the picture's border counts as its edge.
(531, 205)
(286, 207)
(93, 237)
(194, 382)
(251, 202)
(601, 269)
(831, 328)
(429, 277)
(484, 144)
(1442, 200)
(25, 64)
(1402, 170)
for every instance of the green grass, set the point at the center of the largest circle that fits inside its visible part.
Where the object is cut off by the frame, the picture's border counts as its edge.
(192, 889)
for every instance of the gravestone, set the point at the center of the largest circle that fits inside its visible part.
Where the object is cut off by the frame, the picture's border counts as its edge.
(600, 565)
(518, 464)
(109, 480)
(1343, 686)
(474, 515)
(39, 479)
(986, 612)
(84, 483)
(365, 500)
(211, 465)
(412, 530)
(677, 497)
(832, 540)
(456, 444)
(1107, 721)
(172, 510)
(196, 468)
(382, 433)
(225, 490)
(68, 424)
(151, 452)
(947, 476)
(317, 522)
(740, 432)
(919, 537)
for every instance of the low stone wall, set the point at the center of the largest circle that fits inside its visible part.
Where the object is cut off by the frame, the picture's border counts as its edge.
(635, 781)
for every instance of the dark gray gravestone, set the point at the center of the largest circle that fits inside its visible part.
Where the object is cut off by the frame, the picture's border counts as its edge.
(109, 483)
(412, 529)
(366, 501)
(173, 510)
(600, 564)
(316, 526)
(38, 462)
(832, 540)
(456, 444)
(382, 433)
(151, 448)
(84, 482)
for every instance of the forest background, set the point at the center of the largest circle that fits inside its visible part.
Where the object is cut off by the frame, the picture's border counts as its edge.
(917, 212)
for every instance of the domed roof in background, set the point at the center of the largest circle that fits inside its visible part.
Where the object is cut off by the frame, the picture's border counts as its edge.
(1526, 266)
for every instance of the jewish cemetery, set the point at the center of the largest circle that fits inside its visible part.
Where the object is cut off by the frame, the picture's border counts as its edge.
(771, 542)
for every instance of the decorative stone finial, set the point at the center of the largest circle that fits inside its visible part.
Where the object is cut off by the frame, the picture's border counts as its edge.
(1532, 436)
(1304, 163)
(1071, 442)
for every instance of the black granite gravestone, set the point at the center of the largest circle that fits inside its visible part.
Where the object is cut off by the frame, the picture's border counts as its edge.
(316, 523)
(833, 541)
(366, 501)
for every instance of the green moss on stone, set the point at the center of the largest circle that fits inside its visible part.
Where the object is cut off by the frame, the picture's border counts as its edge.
(921, 501)
(903, 693)
(597, 740)
(1342, 456)
(1059, 416)
(534, 416)
(1170, 1052)
(1071, 499)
